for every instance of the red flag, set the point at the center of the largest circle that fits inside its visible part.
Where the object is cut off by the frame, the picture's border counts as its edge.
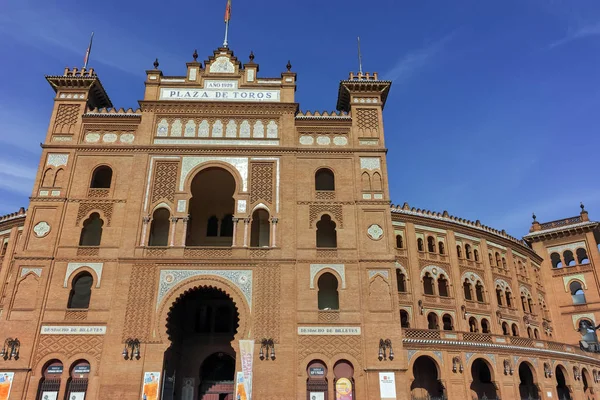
(87, 52)
(228, 11)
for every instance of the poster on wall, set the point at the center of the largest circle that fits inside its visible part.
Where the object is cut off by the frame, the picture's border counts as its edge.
(49, 395)
(343, 389)
(76, 396)
(317, 396)
(247, 355)
(6, 379)
(240, 389)
(150, 388)
(387, 385)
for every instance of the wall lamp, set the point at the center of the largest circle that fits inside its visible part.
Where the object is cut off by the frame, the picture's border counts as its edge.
(508, 369)
(420, 304)
(131, 349)
(265, 346)
(547, 370)
(384, 345)
(11, 348)
(457, 365)
(464, 311)
(576, 374)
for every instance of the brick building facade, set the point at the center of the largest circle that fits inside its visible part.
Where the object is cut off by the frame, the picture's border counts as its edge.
(160, 242)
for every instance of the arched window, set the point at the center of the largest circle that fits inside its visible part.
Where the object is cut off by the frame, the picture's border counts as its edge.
(441, 248)
(432, 321)
(260, 229)
(468, 251)
(569, 259)
(556, 261)
(491, 259)
(498, 260)
(404, 319)
(582, 257)
(78, 380)
(101, 178)
(499, 296)
(227, 226)
(50, 381)
(485, 326)
(529, 333)
(473, 324)
(212, 226)
(328, 293)
(447, 322)
(577, 292)
(343, 370)
(458, 251)
(467, 289)
(399, 241)
(401, 281)
(159, 228)
(476, 255)
(530, 305)
(324, 179)
(505, 330)
(508, 299)
(504, 263)
(4, 248)
(524, 302)
(91, 234)
(430, 244)
(428, 284)
(536, 333)
(479, 292)
(515, 330)
(420, 244)
(443, 286)
(317, 378)
(326, 233)
(81, 291)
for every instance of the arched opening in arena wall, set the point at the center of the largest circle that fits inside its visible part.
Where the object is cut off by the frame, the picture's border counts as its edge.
(211, 208)
(561, 383)
(527, 386)
(426, 384)
(201, 326)
(482, 385)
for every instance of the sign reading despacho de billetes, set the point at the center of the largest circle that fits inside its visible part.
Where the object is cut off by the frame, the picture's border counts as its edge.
(72, 330)
(255, 95)
(329, 330)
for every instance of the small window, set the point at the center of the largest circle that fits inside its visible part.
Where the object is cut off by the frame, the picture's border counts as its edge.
(401, 281)
(4, 248)
(467, 289)
(326, 232)
(420, 244)
(582, 257)
(328, 293)
(159, 228)
(432, 321)
(399, 242)
(91, 234)
(491, 259)
(529, 333)
(430, 244)
(260, 230)
(443, 286)
(498, 260)
(473, 325)
(479, 292)
(324, 179)
(476, 255)
(459, 251)
(530, 305)
(81, 291)
(101, 178)
(404, 319)
(536, 333)
(505, 330)
(428, 284)
(441, 248)
(508, 299)
(556, 261)
(524, 303)
(499, 296)
(485, 326)
(447, 321)
(468, 251)
(504, 263)
(515, 330)
(577, 292)
(569, 259)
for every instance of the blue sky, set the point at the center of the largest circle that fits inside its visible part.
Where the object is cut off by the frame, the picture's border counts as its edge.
(493, 113)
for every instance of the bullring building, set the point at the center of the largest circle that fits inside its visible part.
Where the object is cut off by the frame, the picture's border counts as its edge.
(219, 243)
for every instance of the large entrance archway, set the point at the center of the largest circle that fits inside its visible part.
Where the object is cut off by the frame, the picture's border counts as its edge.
(201, 327)
(211, 208)
(483, 385)
(561, 383)
(527, 385)
(426, 384)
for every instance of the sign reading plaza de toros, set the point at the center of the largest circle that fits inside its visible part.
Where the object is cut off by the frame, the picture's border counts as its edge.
(220, 94)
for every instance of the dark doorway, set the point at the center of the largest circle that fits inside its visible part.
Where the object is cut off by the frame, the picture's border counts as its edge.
(426, 384)
(527, 386)
(561, 384)
(482, 386)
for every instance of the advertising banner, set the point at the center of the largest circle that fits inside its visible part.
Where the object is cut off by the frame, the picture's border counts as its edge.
(6, 380)
(343, 389)
(247, 354)
(387, 385)
(240, 389)
(150, 388)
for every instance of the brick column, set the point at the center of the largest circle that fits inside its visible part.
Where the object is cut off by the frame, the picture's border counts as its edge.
(274, 221)
(246, 223)
(145, 220)
(172, 234)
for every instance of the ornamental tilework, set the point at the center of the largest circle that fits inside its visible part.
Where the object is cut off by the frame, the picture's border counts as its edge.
(86, 207)
(411, 354)
(56, 160)
(170, 278)
(339, 268)
(36, 271)
(383, 272)
(438, 354)
(370, 163)
(72, 267)
(315, 210)
(468, 356)
(239, 163)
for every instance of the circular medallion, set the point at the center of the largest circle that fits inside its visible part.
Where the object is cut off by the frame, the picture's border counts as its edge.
(434, 271)
(127, 138)
(243, 279)
(169, 278)
(41, 229)
(109, 138)
(375, 232)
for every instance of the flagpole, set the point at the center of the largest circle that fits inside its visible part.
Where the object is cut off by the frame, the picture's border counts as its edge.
(359, 57)
(226, 33)
(87, 53)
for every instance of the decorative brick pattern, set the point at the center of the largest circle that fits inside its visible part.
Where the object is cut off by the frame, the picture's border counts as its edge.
(98, 193)
(329, 345)
(368, 122)
(268, 294)
(86, 207)
(325, 195)
(315, 210)
(165, 181)
(262, 182)
(66, 117)
(69, 345)
(328, 316)
(208, 253)
(139, 302)
(88, 251)
(76, 315)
